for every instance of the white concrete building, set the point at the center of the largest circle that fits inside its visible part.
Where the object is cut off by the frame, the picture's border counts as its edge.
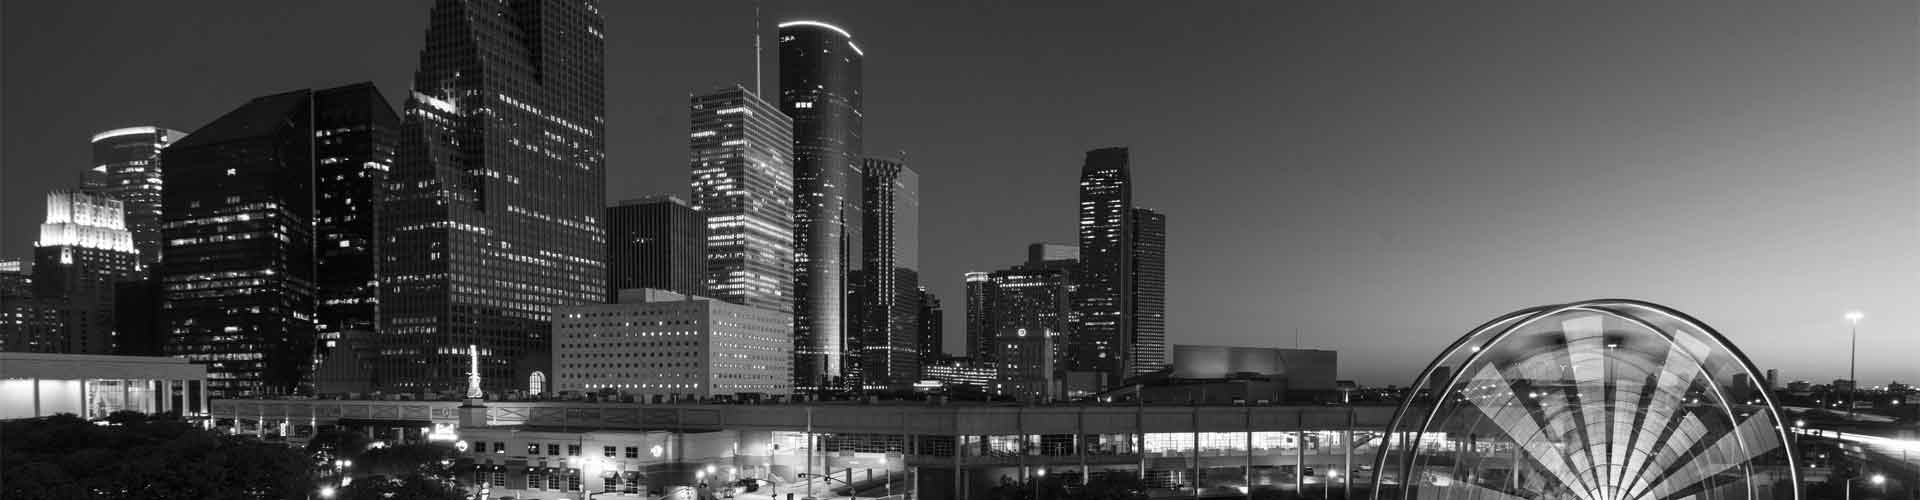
(660, 345)
(93, 386)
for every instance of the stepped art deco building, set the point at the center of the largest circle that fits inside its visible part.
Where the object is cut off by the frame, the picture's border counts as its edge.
(83, 253)
(126, 166)
(820, 87)
(494, 207)
(741, 156)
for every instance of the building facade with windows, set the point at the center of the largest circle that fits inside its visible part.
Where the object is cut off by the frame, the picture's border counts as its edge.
(494, 213)
(84, 252)
(1120, 284)
(820, 87)
(656, 345)
(126, 166)
(656, 242)
(241, 275)
(890, 286)
(741, 154)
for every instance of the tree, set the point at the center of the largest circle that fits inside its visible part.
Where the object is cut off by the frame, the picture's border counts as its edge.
(140, 457)
(409, 486)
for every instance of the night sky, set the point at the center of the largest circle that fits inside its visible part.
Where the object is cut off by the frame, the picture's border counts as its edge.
(1379, 176)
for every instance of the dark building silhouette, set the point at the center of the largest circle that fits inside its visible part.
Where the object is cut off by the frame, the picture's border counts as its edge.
(656, 242)
(979, 316)
(355, 136)
(126, 166)
(820, 87)
(931, 346)
(1119, 290)
(84, 252)
(890, 297)
(240, 275)
(140, 329)
(495, 214)
(741, 154)
(26, 324)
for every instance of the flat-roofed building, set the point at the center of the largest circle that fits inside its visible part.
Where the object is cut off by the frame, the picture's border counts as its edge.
(660, 345)
(94, 386)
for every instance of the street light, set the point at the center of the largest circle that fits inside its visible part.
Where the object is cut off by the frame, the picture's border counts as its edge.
(1853, 353)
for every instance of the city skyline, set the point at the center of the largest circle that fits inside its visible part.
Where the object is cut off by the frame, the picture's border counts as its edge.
(1388, 219)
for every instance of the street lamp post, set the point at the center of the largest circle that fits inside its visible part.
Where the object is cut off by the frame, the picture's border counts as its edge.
(1877, 480)
(1853, 352)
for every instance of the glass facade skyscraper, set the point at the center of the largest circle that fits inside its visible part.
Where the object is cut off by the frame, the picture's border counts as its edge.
(241, 274)
(354, 141)
(741, 154)
(890, 288)
(656, 242)
(126, 166)
(494, 210)
(820, 87)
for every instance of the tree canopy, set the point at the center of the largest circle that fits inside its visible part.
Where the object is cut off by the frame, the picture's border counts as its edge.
(134, 456)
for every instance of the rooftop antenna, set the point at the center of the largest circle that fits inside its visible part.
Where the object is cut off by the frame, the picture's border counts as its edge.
(756, 47)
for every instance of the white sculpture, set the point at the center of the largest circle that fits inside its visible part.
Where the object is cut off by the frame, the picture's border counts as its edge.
(473, 373)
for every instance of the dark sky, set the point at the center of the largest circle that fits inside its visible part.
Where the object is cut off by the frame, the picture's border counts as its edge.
(1380, 176)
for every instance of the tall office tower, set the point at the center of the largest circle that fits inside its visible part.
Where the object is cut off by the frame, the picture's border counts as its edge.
(84, 252)
(126, 166)
(820, 89)
(889, 319)
(933, 340)
(1030, 310)
(1148, 276)
(242, 278)
(742, 159)
(979, 316)
(355, 136)
(493, 216)
(656, 242)
(1102, 340)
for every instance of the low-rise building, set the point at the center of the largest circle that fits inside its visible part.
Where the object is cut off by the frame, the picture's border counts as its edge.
(94, 386)
(656, 345)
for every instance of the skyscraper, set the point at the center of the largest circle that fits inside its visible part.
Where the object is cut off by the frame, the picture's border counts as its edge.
(126, 166)
(741, 153)
(932, 338)
(495, 215)
(1115, 296)
(84, 252)
(656, 242)
(1148, 278)
(354, 140)
(979, 316)
(820, 81)
(889, 337)
(240, 275)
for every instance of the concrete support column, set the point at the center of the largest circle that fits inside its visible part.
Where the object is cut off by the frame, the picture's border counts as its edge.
(36, 398)
(1300, 462)
(1247, 472)
(1193, 467)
